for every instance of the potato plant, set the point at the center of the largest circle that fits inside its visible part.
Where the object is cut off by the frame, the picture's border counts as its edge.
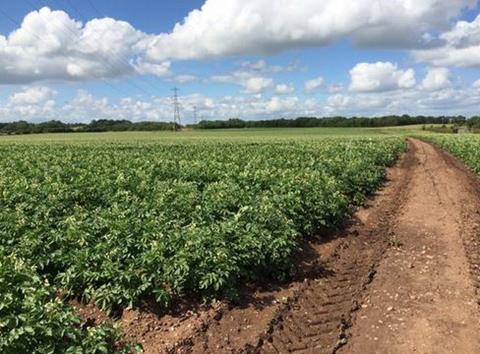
(34, 320)
(118, 223)
(465, 147)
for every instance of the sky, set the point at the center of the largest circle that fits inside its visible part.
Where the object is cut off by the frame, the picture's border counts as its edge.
(78, 60)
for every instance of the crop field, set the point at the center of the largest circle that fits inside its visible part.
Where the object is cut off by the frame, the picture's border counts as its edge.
(120, 220)
(114, 222)
(465, 147)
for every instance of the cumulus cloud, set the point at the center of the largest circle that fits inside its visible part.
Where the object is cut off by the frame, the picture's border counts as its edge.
(50, 45)
(459, 47)
(237, 27)
(29, 103)
(277, 104)
(32, 95)
(185, 79)
(436, 79)
(339, 100)
(335, 88)
(448, 101)
(161, 69)
(380, 76)
(284, 89)
(249, 80)
(84, 106)
(314, 84)
(258, 84)
(261, 66)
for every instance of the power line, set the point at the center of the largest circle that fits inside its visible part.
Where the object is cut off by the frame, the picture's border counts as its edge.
(92, 5)
(76, 39)
(19, 24)
(123, 58)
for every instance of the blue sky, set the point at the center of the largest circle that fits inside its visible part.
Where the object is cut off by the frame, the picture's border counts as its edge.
(79, 60)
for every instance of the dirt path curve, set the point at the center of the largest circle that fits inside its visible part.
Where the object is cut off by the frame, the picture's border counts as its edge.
(423, 298)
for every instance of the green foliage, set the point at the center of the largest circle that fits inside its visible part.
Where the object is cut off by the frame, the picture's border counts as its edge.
(466, 147)
(102, 125)
(343, 122)
(34, 320)
(108, 125)
(115, 223)
(443, 129)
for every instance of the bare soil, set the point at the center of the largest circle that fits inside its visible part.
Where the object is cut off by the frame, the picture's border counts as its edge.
(423, 299)
(402, 277)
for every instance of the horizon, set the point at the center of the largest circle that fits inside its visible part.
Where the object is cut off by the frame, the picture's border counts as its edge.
(71, 60)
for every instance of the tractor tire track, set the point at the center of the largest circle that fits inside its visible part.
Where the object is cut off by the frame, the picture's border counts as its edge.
(424, 297)
(319, 320)
(317, 315)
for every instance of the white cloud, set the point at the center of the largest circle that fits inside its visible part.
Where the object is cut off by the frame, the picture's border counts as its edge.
(50, 45)
(261, 66)
(336, 88)
(258, 84)
(29, 104)
(314, 84)
(237, 27)
(436, 79)
(32, 95)
(284, 89)
(161, 69)
(476, 84)
(185, 79)
(448, 101)
(459, 47)
(380, 76)
(246, 79)
(84, 106)
(339, 100)
(277, 104)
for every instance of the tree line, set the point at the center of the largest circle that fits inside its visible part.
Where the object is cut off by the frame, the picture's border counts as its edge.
(333, 122)
(102, 125)
(473, 124)
(105, 125)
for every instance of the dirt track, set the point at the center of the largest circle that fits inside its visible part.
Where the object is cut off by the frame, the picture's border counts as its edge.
(402, 277)
(423, 298)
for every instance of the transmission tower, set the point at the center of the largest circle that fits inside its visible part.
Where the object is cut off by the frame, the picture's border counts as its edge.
(195, 115)
(176, 110)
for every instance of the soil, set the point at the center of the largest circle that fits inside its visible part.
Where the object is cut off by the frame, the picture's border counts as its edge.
(401, 277)
(423, 299)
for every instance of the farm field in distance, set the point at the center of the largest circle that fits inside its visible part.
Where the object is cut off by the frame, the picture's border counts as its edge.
(120, 220)
(200, 136)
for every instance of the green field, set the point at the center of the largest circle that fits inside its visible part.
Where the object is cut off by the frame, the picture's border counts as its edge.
(115, 218)
(465, 147)
(195, 136)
